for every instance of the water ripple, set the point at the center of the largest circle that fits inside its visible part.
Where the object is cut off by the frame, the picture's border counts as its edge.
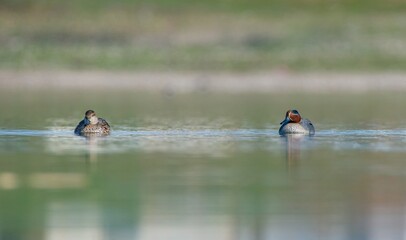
(203, 141)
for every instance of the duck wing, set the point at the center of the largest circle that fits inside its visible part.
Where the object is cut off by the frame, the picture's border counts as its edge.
(104, 124)
(309, 125)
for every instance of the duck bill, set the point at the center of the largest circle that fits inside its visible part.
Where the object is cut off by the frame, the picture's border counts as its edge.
(286, 120)
(94, 120)
(86, 121)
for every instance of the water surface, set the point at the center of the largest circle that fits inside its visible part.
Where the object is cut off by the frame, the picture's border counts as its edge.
(203, 166)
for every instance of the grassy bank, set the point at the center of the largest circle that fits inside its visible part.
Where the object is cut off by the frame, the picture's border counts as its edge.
(214, 35)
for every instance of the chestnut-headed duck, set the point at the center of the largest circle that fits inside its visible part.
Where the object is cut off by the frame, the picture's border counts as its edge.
(295, 124)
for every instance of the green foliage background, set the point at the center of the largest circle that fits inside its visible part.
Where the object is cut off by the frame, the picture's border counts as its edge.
(225, 35)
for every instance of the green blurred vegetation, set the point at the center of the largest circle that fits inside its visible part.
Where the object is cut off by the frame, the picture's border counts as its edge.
(222, 5)
(238, 35)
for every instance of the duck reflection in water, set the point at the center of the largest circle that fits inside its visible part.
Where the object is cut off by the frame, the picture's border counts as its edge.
(92, 147)
(293, 144)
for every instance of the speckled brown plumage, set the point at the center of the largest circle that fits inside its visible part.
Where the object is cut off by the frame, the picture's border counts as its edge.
(92, 124)
(101, 127)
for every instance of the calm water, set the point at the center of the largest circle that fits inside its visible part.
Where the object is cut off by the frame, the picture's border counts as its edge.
(202, 166)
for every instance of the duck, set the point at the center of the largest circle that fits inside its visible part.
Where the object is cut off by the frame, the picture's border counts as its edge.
(295, 124)
(92, 124)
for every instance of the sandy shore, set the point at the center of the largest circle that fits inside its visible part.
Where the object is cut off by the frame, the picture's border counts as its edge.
(199, 81)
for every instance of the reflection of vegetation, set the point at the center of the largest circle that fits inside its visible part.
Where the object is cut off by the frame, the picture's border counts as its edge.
(206, 110)
(211, 35)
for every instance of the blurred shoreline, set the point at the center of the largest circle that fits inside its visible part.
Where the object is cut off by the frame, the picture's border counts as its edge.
(178, 82)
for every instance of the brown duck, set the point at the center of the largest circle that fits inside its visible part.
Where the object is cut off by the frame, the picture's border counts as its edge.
(92, 124)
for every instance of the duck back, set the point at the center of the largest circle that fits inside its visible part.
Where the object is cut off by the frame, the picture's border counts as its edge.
(305, 126)
(101, 127)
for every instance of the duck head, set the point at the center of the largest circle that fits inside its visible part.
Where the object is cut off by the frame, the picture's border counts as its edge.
(90, 117)
(292, 116)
